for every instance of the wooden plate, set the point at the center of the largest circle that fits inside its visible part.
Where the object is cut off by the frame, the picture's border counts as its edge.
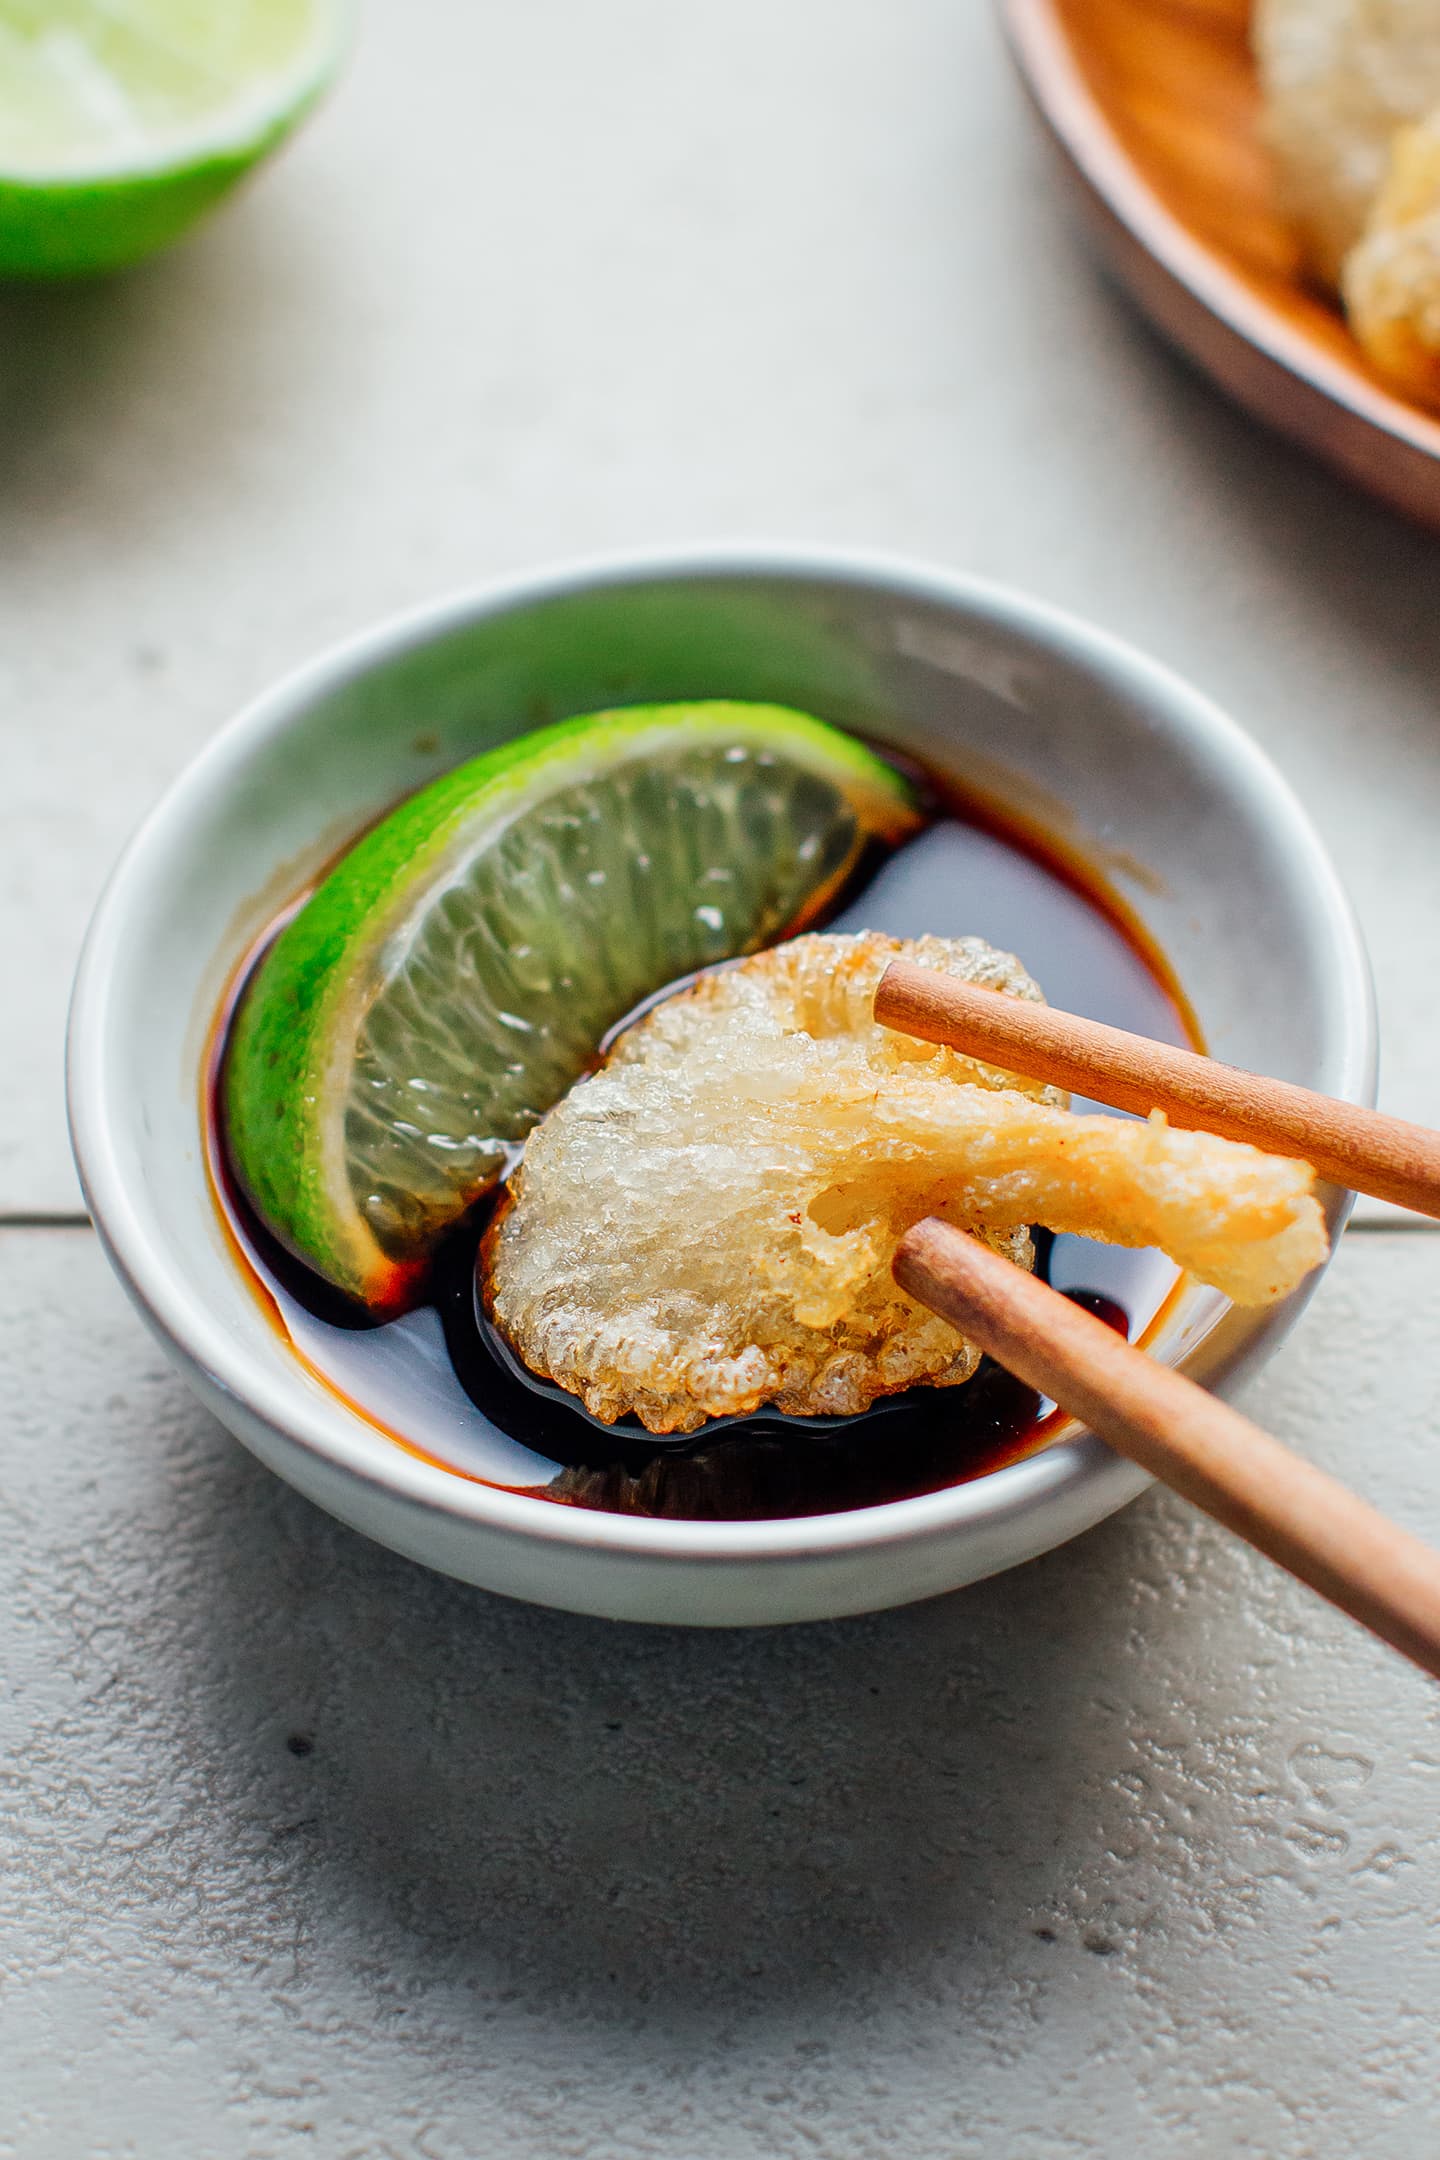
(1153, 105)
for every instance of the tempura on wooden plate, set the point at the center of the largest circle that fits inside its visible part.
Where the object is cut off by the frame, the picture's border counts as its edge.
(1351, 115)
(706, 1225)
(1392, 277)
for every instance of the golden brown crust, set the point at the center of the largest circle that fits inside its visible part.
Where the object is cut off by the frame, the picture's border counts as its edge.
(1392, 279)
(1339, 77)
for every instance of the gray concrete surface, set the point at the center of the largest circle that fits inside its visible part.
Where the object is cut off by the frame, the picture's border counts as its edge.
(309, 1853)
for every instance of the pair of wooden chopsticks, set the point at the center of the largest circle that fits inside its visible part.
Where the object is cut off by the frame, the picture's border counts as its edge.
(1299, 1516)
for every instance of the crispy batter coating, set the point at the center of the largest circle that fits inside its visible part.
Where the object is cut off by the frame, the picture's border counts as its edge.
(1339, 77)
(1392, 279)
(707, 1224)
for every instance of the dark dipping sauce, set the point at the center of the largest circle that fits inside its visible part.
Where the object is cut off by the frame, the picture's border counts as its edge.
(432, 1383)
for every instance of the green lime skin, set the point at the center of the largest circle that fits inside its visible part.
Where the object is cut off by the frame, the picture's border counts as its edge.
(122, 122)
(454, 973)
(84, 228)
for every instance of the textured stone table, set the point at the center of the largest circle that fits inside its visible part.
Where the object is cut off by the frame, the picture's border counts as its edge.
(307, 1852)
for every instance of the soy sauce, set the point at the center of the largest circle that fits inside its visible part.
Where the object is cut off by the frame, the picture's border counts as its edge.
(433, 1383)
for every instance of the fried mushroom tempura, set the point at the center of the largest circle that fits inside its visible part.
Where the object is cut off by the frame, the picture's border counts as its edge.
(1391, 280)
(1352, 115)
(1339, 77)
(707, 1224)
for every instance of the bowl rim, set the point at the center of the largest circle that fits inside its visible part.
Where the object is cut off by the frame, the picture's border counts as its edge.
(155, 1277)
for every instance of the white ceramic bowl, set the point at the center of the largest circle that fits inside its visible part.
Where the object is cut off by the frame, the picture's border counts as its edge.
(1189, 819)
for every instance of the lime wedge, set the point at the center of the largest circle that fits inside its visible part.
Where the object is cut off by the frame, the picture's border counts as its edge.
(456, 971)
(122, 120)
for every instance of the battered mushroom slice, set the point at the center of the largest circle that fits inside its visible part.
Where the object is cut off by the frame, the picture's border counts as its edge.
(1339, 77)
(1392, 279)
(706, 1225)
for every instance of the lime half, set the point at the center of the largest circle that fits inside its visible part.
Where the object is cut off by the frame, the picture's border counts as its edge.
(456, 971)
(122, 120)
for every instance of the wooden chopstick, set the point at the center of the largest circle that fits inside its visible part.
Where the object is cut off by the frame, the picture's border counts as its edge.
(1338, 1544)
(1360, 1148)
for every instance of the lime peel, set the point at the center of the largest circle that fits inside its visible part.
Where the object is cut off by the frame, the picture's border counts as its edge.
(122, 121)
